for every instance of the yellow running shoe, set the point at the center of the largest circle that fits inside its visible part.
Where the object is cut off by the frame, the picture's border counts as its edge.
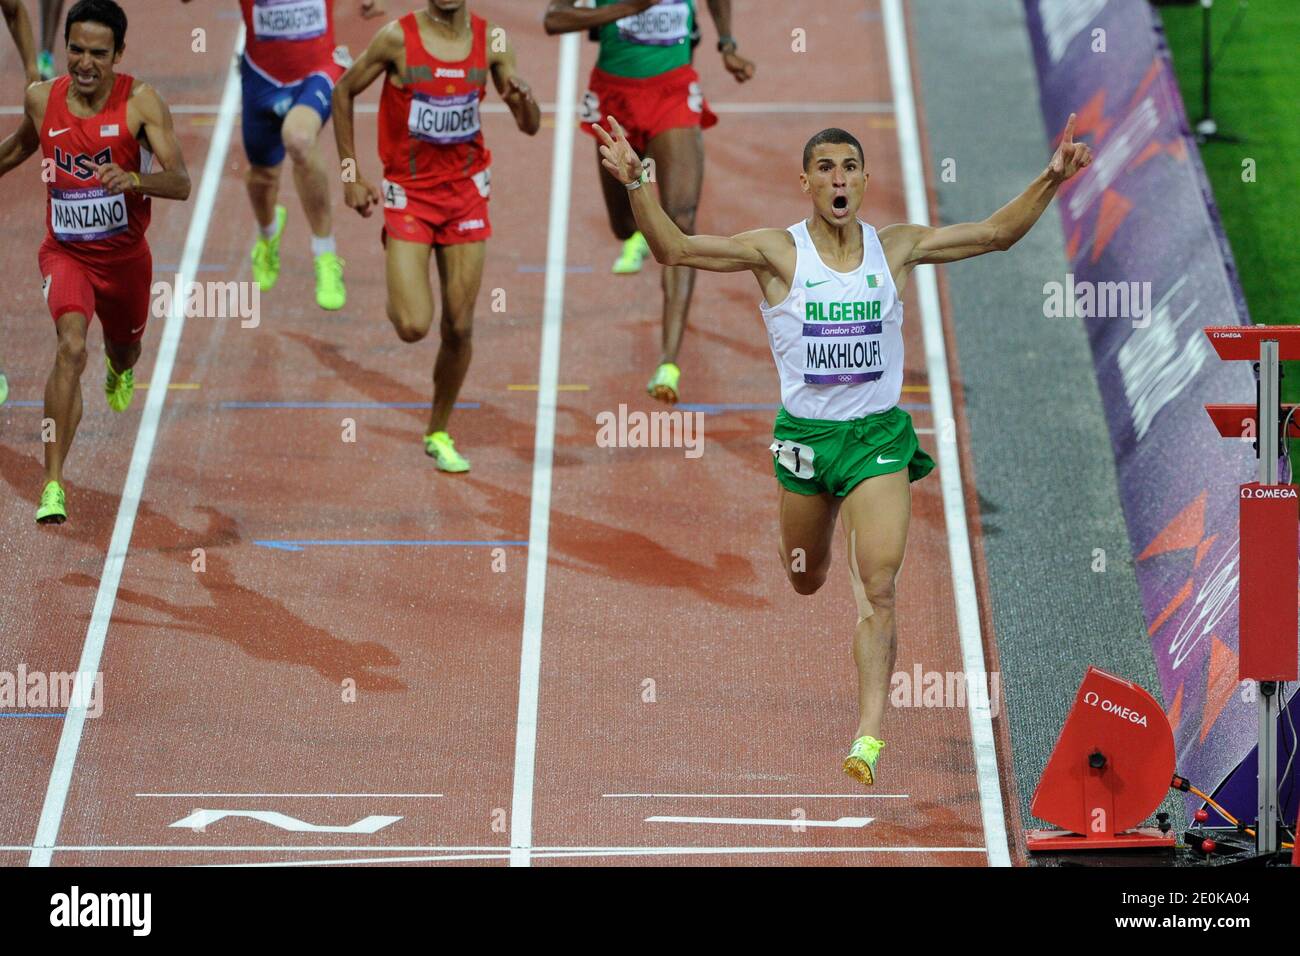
(442, 449)
(118, 387)
(634, 254)
(266, 254)
(331, 294)
(54, 506)
(664, 384)
(4, 388)
(860, 764)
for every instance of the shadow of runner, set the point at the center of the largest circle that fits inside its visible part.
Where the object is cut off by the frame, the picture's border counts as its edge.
(605, 551)
(253, 622)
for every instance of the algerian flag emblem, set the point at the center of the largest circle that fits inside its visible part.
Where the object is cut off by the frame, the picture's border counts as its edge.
(874, 279)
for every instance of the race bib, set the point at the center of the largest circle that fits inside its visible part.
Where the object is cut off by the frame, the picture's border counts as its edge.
(444, 120)
(84, 215)
(394, 195)
(590, 109)
(289, 19)
(664, 24)
(483, 182)
(793, 457)
(844, 351)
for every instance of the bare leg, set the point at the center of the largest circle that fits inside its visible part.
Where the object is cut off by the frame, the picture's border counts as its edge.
(63, 392)
(51, 28)
(410, 297)
(299, 134)
(123, 355)
(460, 269)
(876, 516)
(617, 205)
(679, 169)
(263, 183)
(807, 528)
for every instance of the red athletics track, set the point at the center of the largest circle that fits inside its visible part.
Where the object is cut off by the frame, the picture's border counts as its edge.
(224, 689)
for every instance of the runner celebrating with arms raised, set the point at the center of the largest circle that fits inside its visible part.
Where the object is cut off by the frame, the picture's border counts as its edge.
(644, 75)
(437, 177)
(99, 132)
(833, 308)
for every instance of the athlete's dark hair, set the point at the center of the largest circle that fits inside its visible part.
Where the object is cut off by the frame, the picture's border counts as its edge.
(834, 135)
(98, 11)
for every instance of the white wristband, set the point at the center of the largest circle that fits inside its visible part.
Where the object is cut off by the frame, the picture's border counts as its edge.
(639, 181)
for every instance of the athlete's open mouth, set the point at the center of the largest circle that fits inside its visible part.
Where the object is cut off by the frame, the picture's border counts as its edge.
(840, 203)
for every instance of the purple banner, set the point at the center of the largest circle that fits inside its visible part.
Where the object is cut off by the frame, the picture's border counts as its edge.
(1142, 215)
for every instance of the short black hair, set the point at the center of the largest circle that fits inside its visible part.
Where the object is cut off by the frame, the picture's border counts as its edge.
(833, 135)
(98, 11)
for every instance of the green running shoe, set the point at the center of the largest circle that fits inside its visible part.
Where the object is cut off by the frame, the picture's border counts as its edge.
(45, 64)
(443, 450)
(4, 388)
(266, 254)
(54, 506)
(860, 764)
(118, 387)
(634, 254)
(331, 294)
(664, 384)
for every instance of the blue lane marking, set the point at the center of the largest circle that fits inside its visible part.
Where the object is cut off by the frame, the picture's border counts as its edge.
(356, 405)
(26, 404)
(60, 716)
(372, 543)
(719, 408)
(572, 270)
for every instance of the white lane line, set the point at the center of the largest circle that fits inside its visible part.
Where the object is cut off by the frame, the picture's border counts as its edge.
(369, 861)
(740, 850)
(540, 851)
(762, 796)
(843, 822)
(863, 107)
(308, 795)
(539, 521)
(954, 506)
(56, 792)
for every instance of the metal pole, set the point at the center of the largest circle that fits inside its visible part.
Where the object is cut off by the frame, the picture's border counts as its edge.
(1267, 419)
(1206, 126)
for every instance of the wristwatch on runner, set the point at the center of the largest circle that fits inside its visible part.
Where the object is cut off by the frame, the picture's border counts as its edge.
(727, 45)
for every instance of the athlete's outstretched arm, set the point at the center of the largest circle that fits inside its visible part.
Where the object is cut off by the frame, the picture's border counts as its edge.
(736, 64)
(173, 182)
(566, 16)
(20, 144)
(516, 93)
(20, 27)
(382, 53)
(754, 250)
(1003, 229)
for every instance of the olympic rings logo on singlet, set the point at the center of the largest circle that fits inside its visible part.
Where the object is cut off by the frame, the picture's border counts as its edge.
(665, 24)
(289, 19)
(444, 120)
(85, 215)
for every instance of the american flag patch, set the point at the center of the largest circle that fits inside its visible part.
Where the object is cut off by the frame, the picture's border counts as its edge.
(108, 130)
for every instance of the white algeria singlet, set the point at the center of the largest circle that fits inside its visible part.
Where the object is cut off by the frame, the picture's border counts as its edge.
(838, 336)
